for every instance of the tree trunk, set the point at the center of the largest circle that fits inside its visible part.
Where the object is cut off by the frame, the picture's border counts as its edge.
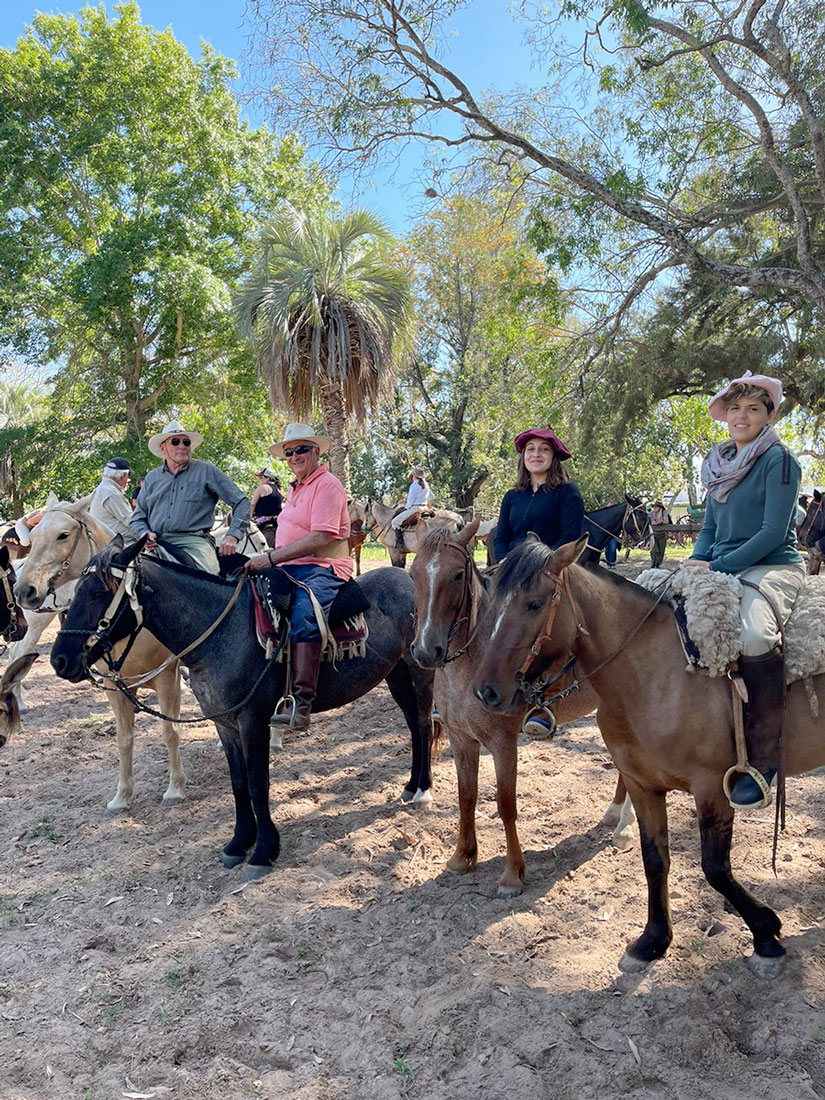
(335, 424)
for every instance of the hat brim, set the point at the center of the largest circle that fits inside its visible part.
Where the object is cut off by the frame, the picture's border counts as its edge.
(771, 386)
(277, 449)
(158, 438)
(546, 436)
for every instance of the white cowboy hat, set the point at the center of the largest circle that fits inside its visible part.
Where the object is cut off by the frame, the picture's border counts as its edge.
(172, 428)
(299, 433)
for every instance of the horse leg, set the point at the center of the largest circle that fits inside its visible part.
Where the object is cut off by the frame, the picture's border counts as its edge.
(465, 753)
(621, 816)
(167, 685)
(246, 829)
(504, 748)
(412, 689)
(716, 831)
(651, 809)
(125, 726)
(357, 554)
(254, 730)
(36, 623)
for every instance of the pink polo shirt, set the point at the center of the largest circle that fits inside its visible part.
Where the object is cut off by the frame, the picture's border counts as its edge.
(319, 503)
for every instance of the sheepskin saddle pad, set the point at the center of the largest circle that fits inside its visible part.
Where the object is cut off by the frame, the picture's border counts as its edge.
(706, 606)
(348, 630)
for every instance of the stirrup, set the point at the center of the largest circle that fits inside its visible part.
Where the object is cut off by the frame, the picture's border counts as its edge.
(757, 777)
(284, 701)
(539, 724)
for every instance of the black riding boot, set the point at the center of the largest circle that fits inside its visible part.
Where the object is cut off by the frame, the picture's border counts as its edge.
(399, 538)
(764, 679)
(306, 663)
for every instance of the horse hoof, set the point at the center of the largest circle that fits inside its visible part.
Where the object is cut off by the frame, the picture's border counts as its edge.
(231, 861)
(623, 840)
(629, 964)
(422, 800)
(766, 967)
(407, 795)
(612, 815)
(170, 800)
(115, 807)
(254, 871)
(504, 893)
(276, 741)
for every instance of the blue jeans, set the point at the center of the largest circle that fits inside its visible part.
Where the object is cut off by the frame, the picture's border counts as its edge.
(610, 552)
(325, 586)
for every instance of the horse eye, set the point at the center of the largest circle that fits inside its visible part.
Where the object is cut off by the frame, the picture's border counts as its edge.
(535, 605)
(459, 576)
(63, 535)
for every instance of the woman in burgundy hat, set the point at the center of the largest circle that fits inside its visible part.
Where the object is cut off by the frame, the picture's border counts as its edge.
(544, 499)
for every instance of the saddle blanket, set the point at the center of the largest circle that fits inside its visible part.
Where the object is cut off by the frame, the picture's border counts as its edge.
(706, 605)
(272, 590)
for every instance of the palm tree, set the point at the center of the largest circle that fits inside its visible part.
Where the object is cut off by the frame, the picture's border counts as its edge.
(330, 318)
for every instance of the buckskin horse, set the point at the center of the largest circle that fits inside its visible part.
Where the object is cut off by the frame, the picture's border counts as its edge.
(454, 616)
(625, 643)
(378, 524)
(235, 685)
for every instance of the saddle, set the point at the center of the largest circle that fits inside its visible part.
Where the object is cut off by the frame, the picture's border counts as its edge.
(706, 607)
(273, 591)
(412, 521)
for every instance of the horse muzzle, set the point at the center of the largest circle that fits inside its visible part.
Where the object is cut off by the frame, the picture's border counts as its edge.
(491, 699)
(68, 666)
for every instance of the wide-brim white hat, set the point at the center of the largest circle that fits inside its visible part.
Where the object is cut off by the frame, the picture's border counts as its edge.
(172, 428)
(299, 433)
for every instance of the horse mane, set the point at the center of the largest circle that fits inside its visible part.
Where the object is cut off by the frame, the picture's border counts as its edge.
(436, 539)
(104, 559)
(518, 570)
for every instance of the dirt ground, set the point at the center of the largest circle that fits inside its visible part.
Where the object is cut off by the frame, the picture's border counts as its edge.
(132, 964)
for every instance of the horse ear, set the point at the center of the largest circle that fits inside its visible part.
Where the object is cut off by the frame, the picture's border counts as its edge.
(4, 557)
(117, 542)
(15, 672)
(531, 536)
(129, 553)
(81, 505)
(567, 554)
(467, 532)
(51, 500)
(817, 496)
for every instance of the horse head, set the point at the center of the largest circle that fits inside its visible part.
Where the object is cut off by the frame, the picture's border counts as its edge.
(443, 575)
(9, 707)
(636, 527)
(812, 528)
(61, 545)
(92, 623)
(527, 597)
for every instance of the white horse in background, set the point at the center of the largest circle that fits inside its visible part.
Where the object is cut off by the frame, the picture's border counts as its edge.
(61, 546)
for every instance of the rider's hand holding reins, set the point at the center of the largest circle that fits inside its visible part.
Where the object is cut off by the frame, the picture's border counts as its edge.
(229, 545)
(696, 562)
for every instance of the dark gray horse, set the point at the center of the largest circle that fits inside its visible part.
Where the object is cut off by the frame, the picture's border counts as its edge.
(179, 604)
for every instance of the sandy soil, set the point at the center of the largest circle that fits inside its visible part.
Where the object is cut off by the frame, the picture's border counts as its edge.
(133, 964)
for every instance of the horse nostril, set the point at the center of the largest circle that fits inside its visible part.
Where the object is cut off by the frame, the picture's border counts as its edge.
(488, 695)
(438, 654)
(59, 664)
(30, 594)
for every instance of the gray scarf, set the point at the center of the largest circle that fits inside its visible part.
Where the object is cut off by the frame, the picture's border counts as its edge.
(723, 468)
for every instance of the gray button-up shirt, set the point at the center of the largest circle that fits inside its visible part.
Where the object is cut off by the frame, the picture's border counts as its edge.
(185, 502)
(111, 507)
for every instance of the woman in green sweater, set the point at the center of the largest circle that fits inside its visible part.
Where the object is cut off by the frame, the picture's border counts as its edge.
(752, 484)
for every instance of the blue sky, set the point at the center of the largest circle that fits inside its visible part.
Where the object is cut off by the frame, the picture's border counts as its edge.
(487, 50)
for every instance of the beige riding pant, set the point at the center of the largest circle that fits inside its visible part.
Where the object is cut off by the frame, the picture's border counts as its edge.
(760, 633)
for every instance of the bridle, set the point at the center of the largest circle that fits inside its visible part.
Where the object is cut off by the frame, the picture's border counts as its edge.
(812, 516)
(534, 691)
(467, 611)
(641, 533)
(630, 510)
(82, 528)
(127, 593)
(7, 576)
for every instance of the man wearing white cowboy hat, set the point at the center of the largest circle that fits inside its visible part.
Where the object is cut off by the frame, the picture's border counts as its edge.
(176, 506)
(311, 546)
(108, 504)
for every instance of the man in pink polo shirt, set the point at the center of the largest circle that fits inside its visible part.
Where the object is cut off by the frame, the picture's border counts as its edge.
(311, 545)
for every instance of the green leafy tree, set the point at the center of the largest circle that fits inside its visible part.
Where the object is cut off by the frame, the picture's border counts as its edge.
(330, 317)
(130, 193)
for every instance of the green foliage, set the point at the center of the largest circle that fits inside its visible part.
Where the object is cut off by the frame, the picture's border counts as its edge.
(130, 196)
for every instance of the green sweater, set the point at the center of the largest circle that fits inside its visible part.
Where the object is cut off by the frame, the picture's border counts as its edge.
(757, 523)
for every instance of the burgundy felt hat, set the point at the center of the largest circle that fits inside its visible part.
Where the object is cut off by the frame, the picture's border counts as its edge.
(548, 435)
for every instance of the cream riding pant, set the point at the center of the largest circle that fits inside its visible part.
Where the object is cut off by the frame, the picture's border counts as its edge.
(399, 519)
(760, 633)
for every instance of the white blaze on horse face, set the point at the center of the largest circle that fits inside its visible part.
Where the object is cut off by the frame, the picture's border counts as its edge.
(430, 573)
(498, 623)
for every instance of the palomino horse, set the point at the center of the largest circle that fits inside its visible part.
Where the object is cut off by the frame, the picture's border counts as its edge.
(357, 531)
(379, 525)
(235, 684)
(665, 729)
(812, 530)
(455, 615)
(62, 544)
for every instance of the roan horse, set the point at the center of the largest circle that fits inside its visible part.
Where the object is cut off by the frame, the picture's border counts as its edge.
(62, 544)
(455, 616)
(379, 525)
(233, 681)
(628, 648)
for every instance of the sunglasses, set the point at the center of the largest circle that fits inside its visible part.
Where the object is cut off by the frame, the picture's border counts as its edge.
(177, 440)
(304, 449)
